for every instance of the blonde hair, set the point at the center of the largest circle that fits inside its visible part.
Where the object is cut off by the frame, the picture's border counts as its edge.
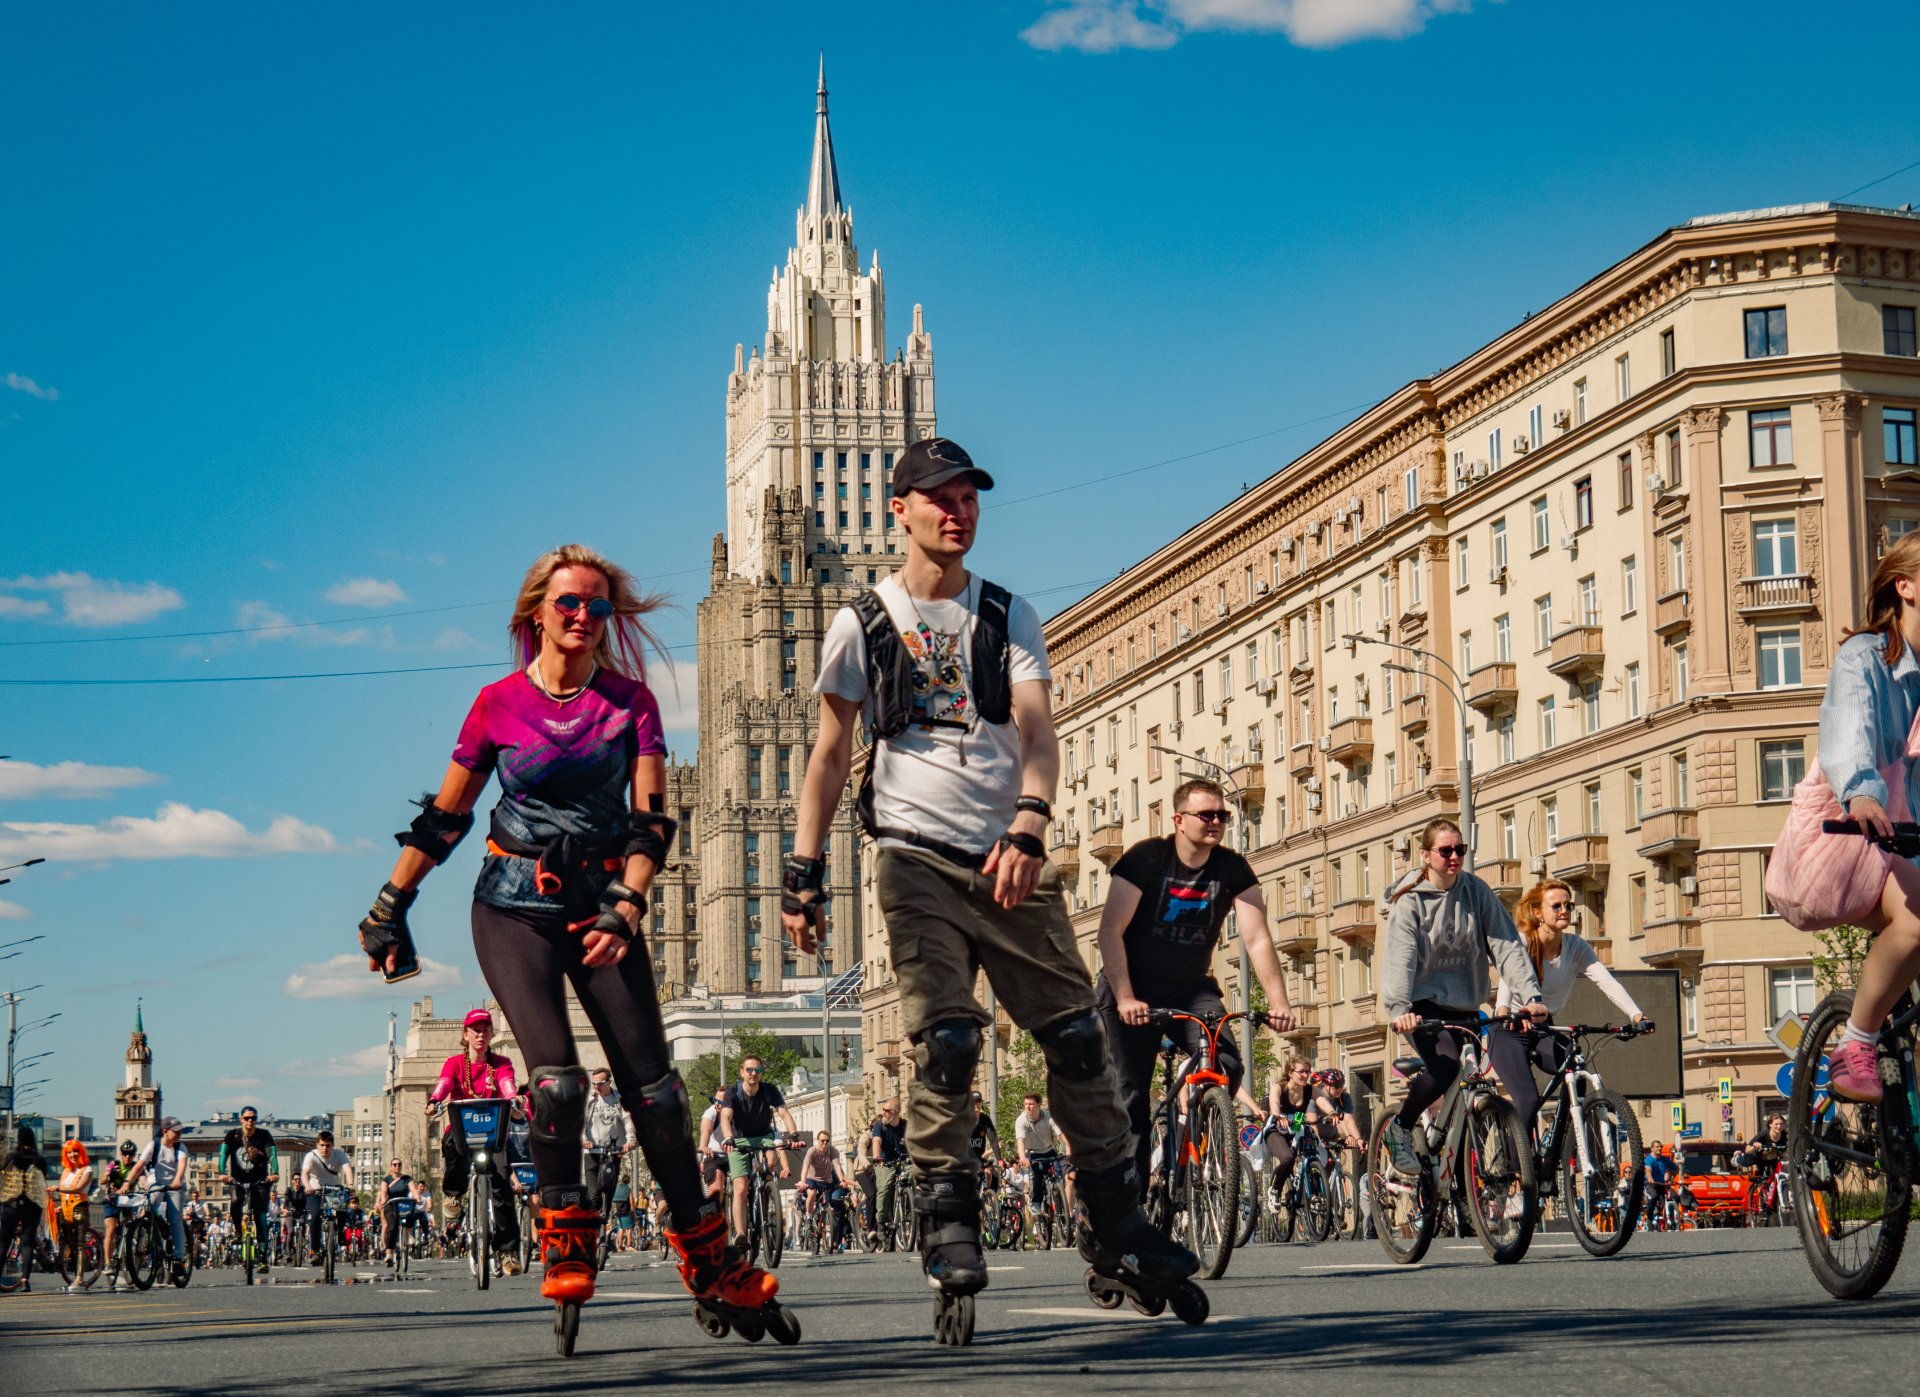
(1528, 915)
(1292, 1061)
(1433, 827)
(625, 637)
(1883, 597)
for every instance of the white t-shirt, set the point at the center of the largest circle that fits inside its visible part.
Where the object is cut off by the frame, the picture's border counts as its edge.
(1035, 1134)
(709, 1126)
(323, 1171)
(946, 784)
(165, 1167)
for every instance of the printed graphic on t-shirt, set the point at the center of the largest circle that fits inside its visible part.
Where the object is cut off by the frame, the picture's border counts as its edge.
(1186, 911)
(939, 678)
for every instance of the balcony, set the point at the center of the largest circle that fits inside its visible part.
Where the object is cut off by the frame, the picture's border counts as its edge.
(1248, 782)
(1670, 613)
(1776, 596)
(1066, 853)
(1105, 843)
(1581, 860)
(1296, 934)
(1352, 741)
(1504, 876)
(1355, 921)
(1300, 760)
(1493, 689)
(1413, 714)
(1667, 834)
(1673, 944)
(1577, 653)
(1306, 1023)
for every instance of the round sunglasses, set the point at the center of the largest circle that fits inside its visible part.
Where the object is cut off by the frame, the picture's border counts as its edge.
(567, 603)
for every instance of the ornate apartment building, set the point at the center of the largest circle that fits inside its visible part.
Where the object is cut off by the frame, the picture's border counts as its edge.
(816, 416)
(1634, 527)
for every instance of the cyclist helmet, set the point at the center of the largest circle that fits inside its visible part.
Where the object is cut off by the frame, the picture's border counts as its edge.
(128, 1149)
(1334, 1078)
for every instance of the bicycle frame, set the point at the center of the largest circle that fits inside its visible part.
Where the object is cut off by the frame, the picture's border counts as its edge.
(1473, 1083)
(1180, 1150)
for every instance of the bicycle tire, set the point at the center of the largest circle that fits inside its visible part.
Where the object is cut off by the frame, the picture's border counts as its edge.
(1249, 1202)
(1319, 1207)
(144, 1247)
(1496, 1167)
(1213, 1194)
(773, 1232)
(1604, 1211)
(329, 1244)
(1405, 1211)
(480, 1232)
(1850, 1169)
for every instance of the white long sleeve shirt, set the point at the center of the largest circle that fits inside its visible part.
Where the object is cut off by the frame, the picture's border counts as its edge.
(1577, 960)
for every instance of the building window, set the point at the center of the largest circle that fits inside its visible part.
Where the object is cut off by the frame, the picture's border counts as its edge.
(1499, 538)
(1503, 738)
(1493, 450)
(1623, 464)
(1509, 835)
(1583, 502)
(1579, 401)
(1775, 550)
(782, 775)
(1542, 622)
(1791, 990)
(1669, 359)
(1770, 437)
(686, 830)
(1590, 706)
(1461, 564)
(1629, 586)
(1682, 770)
(1589, 592)
(1547, 724)
(1623, 377)
(1410, 487)
(1199, 694)
(1766, 332)
(1674, 460)
(1779, 657)
(1636, 793)
(1550, 817)
(1593, 808)
(1782, 765)
(1633, 690)
(1466, 652)
(750, 872)
(1682, 673)
(1897, 432)
(753, 771)
(1503, 639)
(1676, 562)
(1153, 749)
(1896, 330)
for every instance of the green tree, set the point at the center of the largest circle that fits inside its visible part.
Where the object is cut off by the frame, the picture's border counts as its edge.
(1023, 1069)
(1843, 949)
(703, 1076)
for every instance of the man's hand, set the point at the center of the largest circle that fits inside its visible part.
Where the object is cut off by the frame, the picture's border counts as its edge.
(1281, 1020)
(803, 901)
(1133, 1011)
(1015, 871)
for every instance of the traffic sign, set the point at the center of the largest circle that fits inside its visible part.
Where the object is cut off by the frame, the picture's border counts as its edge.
(1726, 1090)
(1726, 1113)
(1788, 1031)
(1679, 1109)
(1783, 1079)
(1690, 1132)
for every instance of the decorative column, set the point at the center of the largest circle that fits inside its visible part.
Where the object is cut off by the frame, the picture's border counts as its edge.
(1844, 489)
(1707, 580)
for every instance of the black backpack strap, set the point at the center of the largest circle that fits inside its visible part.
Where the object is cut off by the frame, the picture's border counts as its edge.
(992, 654)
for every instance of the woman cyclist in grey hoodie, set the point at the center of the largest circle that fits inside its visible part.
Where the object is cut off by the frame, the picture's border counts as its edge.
(1443, 927)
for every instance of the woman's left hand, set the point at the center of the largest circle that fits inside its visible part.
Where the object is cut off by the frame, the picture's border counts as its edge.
(602, 948)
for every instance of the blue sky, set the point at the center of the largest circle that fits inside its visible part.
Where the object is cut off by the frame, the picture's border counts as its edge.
(343, 314)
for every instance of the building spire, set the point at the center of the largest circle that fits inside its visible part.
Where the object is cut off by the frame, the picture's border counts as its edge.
(823, 180)
(139, 1017)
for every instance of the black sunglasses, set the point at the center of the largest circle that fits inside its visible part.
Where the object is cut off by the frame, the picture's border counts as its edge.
(599, 608)
(1450, 851)
(1211, 817)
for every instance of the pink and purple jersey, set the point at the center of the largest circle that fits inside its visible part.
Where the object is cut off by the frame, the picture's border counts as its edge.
(461, 1080)
(564, 768)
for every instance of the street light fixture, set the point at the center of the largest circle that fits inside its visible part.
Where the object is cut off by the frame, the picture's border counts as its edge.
(28, 864)
(1458, 688)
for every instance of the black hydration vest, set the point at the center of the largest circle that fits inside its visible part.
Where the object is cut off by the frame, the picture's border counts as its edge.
(890, 683)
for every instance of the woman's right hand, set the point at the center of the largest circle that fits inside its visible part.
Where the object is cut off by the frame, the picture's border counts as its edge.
(1870, 814)
(1406, 1023)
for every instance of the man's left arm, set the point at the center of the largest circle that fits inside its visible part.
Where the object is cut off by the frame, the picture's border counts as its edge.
(1250, 910)
(1015, 871)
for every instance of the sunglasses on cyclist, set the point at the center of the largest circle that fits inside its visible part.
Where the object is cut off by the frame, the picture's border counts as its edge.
(1450, 851)
(567, 603)
(751, 1071)
(1211, 817)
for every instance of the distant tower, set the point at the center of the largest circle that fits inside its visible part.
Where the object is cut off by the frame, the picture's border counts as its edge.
(136, 1105)
(816, 417)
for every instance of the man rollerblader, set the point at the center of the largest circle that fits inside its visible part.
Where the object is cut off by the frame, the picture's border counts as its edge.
(949, 674)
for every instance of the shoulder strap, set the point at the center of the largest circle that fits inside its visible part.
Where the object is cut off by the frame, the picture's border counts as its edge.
(992, 654)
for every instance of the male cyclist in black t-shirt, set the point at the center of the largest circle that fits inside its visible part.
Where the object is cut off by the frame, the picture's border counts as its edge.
(746, 1119)
(1168, 900)
(251, 1163)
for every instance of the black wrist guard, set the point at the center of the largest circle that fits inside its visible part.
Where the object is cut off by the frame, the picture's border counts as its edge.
(1034, 805)
(610, 919)
(798, 875)
(434, 832)
(385, 929)
(650, 834)
(1028, 844)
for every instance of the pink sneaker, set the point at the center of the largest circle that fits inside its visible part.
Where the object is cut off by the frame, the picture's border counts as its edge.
(1853, 1071)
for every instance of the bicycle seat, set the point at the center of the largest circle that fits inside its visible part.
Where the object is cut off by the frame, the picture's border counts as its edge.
(1408, 1066)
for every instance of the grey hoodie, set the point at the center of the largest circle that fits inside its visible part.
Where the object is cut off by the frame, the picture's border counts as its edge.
(1438, 944)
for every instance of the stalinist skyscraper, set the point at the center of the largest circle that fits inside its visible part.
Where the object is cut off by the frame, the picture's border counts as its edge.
(816, 416)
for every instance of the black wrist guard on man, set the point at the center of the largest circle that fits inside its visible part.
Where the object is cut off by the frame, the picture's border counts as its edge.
(385, 930)
(798, 875)
(1028, 844)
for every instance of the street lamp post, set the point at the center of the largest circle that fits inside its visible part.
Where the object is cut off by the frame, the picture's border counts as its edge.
(12, 1000)
(1457, 687)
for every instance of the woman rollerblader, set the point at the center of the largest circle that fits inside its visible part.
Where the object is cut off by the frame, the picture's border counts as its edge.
(573, 845)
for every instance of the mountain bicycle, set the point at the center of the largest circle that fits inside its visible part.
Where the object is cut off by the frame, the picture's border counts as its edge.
(1476, 1153)
(1770, 1201)
(524, 1200)
(335, 1203)
(144, 1237)
(1851, 1165)
(1299, 1199)
(246, 1245)
(1003, 1213)
(1049, 1221)
(1195, 1186)
(766, 1234)
(77, 1247)
(1593, 1148)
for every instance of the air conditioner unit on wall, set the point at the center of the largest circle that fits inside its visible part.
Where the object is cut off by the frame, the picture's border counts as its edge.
(1219, 608)
(1340, 517)
(1261, 587)
(1286, 548)
(1656, 484)
(1313, 529)
(1313, 808)
(1562, 418)
(1312, 784)
(1265, 687)
(1383, 627)
(1183, 632)
(1522, 445)
(1481, 470)
(1537, 864)
(1220, 708)
(1690, 886)
(1498, 576)
(1326, 744)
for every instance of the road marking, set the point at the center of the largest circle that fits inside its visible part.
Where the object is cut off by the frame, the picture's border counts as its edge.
(1366, 1266)
(992, 1267)
(412, 1292)
(641, 1295)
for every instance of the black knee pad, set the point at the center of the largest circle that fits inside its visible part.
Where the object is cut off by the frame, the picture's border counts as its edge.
(1075, 1046)
(660, 1115)
(559, 1104)
(947, 1054)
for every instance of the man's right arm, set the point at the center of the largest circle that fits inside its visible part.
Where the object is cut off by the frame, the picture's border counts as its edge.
(827, 771)
(1123, 899)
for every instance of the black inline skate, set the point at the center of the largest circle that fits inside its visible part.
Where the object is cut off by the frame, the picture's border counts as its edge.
(949, 1224)
(1128, 1257)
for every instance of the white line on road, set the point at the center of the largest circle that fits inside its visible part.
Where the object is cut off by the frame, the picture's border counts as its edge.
(993, 1267)
(391, 1291)
(1365, 1266)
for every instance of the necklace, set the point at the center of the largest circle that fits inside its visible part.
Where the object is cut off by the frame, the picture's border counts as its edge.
(927, 632)
(533, 675)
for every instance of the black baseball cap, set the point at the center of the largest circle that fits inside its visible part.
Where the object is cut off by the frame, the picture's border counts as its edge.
(935, 461)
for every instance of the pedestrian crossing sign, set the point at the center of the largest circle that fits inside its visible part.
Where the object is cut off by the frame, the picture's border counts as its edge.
(1726, 1091)
(1679, 1114)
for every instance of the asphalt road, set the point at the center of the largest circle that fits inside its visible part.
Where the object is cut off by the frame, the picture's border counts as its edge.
(1721, 1311)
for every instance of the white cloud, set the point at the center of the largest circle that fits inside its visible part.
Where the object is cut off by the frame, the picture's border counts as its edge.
(25, 781)
(677, 687)
(347, 977)
(267, 625)
(365, 591)
(237, 1083)
(89, 601)
(355, 1064)
(20, 383)
(1102, 26)
(453, 638)
(13, 912)
(176, 831)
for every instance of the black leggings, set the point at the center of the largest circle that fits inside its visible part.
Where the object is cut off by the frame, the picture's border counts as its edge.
(528, 960)
(1439, 1049)
(1513, 1055)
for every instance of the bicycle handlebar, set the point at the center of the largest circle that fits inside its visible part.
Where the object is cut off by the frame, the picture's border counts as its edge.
(1904, 841)
(1482, 1021)
(1624, 1032)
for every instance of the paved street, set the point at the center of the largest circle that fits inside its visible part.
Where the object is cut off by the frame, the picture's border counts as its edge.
(1729, 1309)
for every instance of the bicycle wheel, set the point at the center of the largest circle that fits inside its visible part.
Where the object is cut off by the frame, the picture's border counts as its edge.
(146, 1246)
(1404, 1210)
(1341, 1213)
(1850, 1170)
(1603, 1207)
(1249, 1202)
(773, 1231)
(480, 1232)
(1497, 1170)
(1316, 1205)
(1213, 1185)
(1013, 1225)
(329, 1246)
